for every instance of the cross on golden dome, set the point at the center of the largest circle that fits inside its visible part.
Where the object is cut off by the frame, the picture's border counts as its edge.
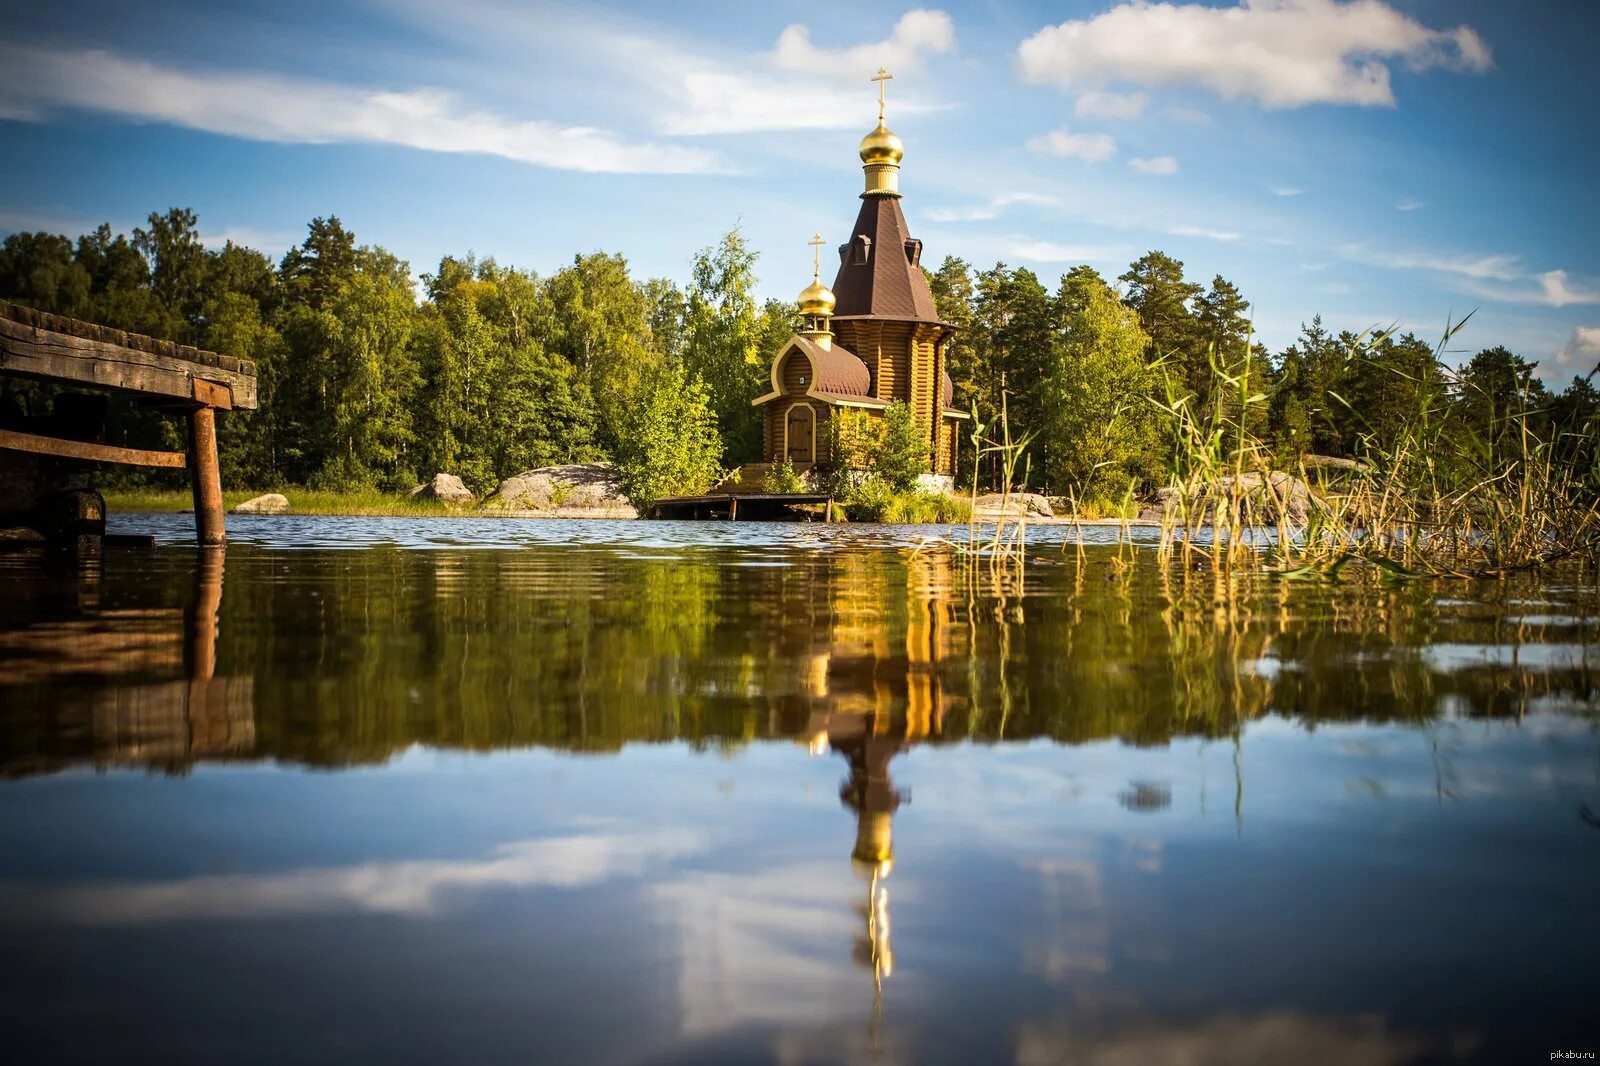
(882, 76)
(816, 243)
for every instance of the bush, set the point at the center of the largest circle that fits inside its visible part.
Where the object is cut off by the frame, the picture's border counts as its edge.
(781, 479)
(875, 500)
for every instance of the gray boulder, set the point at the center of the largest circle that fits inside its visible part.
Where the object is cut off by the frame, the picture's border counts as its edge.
(1269, 494)
(1018, 505)
(578, 490)
(270, 503)
(446, 488)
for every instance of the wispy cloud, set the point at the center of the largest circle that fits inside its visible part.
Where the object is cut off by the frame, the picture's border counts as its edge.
(1202, 231)
(917, 34)
(1553, 288)
(1584, 347)
(1191, 116)
(1037, 251)
(1286, 190)
(267, 107)
(1102, 104)
(1502, 266)
(1281, 53)
(991, 208)
(796, 86)
(1497, 277)
(1409, 204)
(1161, 165)
(1089, 147)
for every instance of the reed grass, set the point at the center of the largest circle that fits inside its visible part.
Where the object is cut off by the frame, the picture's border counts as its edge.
(1442, 498)
(364, 502)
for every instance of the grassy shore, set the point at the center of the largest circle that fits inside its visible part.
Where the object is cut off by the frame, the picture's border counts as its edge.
(301, 501)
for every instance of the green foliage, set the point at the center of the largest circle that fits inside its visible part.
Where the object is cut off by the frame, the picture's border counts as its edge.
(875, 500)
(902, 450)
(728, 341)
(1097, 431)
(495, 370)
(667, 443)
(781, 478)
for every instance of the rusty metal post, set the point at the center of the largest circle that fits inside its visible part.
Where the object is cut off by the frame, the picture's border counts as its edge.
(205, 478)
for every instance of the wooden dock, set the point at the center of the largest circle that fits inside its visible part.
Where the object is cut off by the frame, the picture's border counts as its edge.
(176, 378)
(750, 506)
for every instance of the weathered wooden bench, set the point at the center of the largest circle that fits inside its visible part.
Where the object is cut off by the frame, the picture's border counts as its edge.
(172, 377)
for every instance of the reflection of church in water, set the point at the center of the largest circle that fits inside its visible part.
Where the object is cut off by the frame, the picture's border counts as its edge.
(875, 691)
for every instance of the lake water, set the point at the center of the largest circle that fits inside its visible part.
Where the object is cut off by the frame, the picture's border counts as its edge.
(439, 791)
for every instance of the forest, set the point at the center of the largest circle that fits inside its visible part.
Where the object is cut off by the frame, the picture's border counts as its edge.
(371, 379)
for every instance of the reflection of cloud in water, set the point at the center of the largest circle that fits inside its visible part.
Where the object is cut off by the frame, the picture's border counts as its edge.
(413, 888)
(1359, 1040)
(768, 947)
(1446, 657)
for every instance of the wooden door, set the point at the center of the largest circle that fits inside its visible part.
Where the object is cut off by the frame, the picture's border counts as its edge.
(801, 434)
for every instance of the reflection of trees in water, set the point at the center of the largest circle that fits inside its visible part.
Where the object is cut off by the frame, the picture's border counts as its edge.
(353, 656)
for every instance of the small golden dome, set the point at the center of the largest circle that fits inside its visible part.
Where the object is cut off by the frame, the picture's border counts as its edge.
(881, 146)
(816, 299)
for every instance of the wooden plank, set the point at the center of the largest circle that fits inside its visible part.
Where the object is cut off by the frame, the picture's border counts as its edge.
(77, 360)
(77, 449)
(205, 477)
(213, 395)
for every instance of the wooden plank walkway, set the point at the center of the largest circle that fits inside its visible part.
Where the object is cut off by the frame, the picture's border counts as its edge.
(175, 377)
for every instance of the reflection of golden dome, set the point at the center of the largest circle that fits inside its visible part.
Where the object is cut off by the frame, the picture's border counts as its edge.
(881, 146)
(816, 299)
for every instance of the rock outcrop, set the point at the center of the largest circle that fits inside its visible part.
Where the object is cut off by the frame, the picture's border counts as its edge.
(446, 488)
(270, 503)
(1017, 505)
(579, 490)
(1267, 494)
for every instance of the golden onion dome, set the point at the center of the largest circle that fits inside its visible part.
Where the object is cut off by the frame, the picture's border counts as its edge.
(881, 146)
(816, 299)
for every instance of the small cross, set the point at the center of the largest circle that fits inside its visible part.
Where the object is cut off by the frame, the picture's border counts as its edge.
(816, 243)
(882, 76)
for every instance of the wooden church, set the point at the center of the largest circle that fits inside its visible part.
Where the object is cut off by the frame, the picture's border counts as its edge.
(872, 339)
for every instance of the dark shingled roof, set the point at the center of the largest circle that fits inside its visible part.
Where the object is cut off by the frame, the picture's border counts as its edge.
(887, 285)
(72, 327)
(839, 372)
(947, 389)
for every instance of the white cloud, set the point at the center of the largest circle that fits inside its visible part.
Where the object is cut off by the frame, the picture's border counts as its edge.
(1192, 116)
(975, 213)
(1050, 252)
(1584, 347)
(1281, 53)
(1409, 204)
(1102, 104)
(1161, 164)
(991, 209)
(721, 102)
(266, 107)
(1554, 290)
(1501, 267)
(797, 86)
(1089, 147)
(1286, 190)
(1201, 231)
(268, 241)
(917, 33)
(1493, 277)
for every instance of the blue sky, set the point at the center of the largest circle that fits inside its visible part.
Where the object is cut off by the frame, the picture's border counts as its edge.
(1375, 162)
